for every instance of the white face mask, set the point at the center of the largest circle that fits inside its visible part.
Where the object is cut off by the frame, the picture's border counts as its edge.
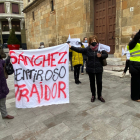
(42, 46)
(130, 39)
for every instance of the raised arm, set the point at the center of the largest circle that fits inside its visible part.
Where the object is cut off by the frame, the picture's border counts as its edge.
(79, 50)
(135, 40)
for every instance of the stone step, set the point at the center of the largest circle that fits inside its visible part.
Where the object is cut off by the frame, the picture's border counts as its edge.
(110, 55)
(118, 69)
(115, 61)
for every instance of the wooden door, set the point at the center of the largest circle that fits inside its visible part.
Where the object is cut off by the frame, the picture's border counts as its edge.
(104, 24)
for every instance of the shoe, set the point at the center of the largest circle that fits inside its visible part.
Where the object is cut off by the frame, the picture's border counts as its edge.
(82, 73)
(79, 82)
(101, 99)
(8, 117)
(93, 99)
(76, 81)
(123, 75)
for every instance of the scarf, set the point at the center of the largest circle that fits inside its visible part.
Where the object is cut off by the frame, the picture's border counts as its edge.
(94, 48)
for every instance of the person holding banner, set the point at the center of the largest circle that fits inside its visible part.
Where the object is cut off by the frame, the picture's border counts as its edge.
(94, 64)
(3, 89)
(85, 40)
(77, 61)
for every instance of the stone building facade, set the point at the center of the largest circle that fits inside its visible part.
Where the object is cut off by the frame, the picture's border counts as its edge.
(51, 21)
(127, 22)
(11, 16)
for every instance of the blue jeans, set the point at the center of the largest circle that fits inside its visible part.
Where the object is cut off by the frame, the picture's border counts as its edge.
(82, 68)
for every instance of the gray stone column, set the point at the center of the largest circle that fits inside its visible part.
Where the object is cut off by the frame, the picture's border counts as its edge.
(1, 40)
(21, 8)
(9, 21)
(23, 35)
(8, 7)
(22, 21)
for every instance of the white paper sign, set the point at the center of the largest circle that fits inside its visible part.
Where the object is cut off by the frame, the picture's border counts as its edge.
(103, 47)
(128, 55)
(85, 45)
(41, 76)
(123, 51)
(74, 42)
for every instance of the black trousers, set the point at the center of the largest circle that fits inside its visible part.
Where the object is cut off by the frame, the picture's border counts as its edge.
(70, 59)
(135, 86)
(126, 66)
(76, 72)
(99, 84)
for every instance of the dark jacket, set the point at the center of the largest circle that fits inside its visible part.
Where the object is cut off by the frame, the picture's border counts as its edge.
(2, 53)
(94, 64)
(84, 57)
(134, 67)
(3, 84)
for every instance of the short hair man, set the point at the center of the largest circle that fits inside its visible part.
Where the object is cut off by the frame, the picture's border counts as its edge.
(41, 45)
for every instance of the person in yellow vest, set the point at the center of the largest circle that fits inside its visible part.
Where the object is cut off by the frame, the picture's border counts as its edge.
(134, 66)
(77, 61)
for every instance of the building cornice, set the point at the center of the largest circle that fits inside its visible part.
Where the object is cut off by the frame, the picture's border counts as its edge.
(32, 5)
(14, 16)
(15, 1)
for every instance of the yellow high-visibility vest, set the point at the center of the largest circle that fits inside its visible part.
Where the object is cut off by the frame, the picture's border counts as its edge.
(135, 53)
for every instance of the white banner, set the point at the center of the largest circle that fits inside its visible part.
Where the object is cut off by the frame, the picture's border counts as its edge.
(41, 76)
(74, 42)
(85, 45)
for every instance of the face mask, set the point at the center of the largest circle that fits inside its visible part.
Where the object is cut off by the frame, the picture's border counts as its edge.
(85, 41)
(93, 43)
(42, 46)
(130, 39)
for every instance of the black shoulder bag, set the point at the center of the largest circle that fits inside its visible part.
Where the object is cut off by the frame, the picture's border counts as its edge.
(9, 69)
(104, 62)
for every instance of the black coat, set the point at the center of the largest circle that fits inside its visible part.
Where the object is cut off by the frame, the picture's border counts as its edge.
(134, 67)
(94, 64)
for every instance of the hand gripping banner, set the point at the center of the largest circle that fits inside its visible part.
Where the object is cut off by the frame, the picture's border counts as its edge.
(41, 76)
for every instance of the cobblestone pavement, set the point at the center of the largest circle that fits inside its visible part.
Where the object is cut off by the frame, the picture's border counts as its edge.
(117, 119)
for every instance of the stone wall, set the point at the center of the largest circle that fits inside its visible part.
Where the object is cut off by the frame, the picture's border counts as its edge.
(127, 22)
(72, 17)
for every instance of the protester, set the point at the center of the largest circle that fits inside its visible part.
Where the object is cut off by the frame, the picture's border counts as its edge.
(94, 65)
(85, 40)
(134, 67)
(77, 61)
(3, 89)
(41, 45)
(70, 59)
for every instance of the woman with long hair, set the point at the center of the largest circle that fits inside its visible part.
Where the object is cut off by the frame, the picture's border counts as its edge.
(94, 65)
